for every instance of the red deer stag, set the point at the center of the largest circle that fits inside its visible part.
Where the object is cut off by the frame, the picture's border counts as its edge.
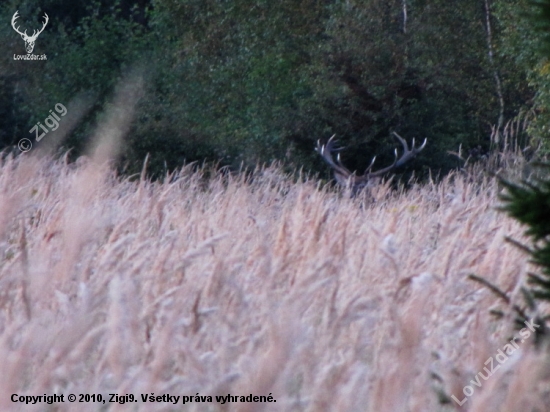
(348, 179)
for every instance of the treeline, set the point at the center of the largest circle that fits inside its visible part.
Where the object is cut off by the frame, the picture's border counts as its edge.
(242, 82)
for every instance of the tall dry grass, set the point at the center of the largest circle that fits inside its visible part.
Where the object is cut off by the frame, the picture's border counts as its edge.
(260, 286)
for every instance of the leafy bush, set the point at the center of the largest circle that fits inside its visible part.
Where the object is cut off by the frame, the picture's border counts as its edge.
(244, 82)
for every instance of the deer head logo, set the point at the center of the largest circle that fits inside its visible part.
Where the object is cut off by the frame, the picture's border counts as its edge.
(29, 40)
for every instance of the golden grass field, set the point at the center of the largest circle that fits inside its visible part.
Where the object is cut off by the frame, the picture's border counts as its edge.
(262, 286)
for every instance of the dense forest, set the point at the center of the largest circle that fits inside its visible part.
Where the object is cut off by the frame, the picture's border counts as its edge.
(239, 83)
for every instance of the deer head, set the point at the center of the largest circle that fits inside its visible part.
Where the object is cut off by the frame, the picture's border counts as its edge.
(29, 40)
(346, 178)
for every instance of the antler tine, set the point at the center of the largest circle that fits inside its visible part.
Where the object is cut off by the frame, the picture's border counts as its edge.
(408, 154)
(13, 19)
(37, 32)
(386, 169)
(339, 161)
(345, 177)
(326, 153)
(46, 20)
(403, 142)
(331, 148)
(423, 144)
(406, 146)
(330, 144)
(367, 170)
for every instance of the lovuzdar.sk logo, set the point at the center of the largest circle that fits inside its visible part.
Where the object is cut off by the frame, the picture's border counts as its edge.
(29, 40)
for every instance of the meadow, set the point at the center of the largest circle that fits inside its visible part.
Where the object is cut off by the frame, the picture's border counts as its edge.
(209, 284)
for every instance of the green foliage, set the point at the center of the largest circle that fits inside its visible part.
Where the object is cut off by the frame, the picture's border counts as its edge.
(240, 82)
(89, 56)
(529, 203)
(234, 76)
(541, 23)
(525, 42)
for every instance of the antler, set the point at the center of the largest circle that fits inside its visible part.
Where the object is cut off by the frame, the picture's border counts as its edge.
(35, 33)
(46, 20)
(341, 173)
(345, 177)
(24, 34)
(408, 154)
(15, 17)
